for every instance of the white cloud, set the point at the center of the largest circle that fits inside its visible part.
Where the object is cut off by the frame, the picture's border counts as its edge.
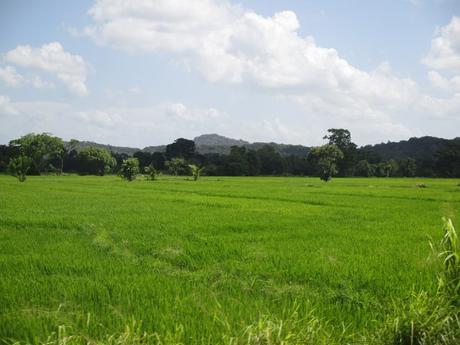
(230, 44)
(6, 108)
(445, 48)
(446, 84)
(70, 69)
(9, 75)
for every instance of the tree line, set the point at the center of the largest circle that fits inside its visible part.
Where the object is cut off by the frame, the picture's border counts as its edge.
(35, 154)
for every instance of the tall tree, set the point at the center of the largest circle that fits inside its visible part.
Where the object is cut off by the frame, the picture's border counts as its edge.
(342, 139)
(181, 148)
(325, 159)
(42, 150)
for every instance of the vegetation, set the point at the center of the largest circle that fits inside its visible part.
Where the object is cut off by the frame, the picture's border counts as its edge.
(92, 160)
(129, 169)
(230, 260)
(196, 171)
(19, 166)
(326, 158)
(48, 154)
(151, 172)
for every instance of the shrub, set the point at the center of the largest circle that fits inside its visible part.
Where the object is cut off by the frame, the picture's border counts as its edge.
(196, 171)
(151, 172)
(19, 167)
(129, 169)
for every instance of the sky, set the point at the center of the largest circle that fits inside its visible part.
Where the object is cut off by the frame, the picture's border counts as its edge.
(145, 72)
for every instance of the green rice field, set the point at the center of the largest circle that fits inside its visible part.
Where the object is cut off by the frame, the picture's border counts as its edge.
(199, 262)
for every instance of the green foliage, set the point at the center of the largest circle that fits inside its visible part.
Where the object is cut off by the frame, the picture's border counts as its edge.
(19, 167)
(95, 161)
(325, 158)
(151, 172)
(42, 149)
(196, 171)
(181, 148)
(449, 281)
(129, 169)
(178, 166)
(364, 168)
(342, 139)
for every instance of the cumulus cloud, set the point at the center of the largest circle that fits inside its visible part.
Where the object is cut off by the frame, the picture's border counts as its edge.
(51, 58)
(227, 43)
(6, 108)
(445, 48)
(9, 75)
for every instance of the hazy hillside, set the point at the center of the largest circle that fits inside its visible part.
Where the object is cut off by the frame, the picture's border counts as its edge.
(418, 148)
(117, 149)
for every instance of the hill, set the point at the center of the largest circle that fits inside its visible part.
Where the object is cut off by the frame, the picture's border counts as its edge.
(423, 148)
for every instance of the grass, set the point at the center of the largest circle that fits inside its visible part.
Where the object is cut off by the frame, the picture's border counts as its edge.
(216, 261)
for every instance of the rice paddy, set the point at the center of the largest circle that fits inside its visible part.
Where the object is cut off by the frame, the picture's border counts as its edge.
(204, 262)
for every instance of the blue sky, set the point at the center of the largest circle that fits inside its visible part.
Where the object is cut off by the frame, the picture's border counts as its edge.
(146, 72)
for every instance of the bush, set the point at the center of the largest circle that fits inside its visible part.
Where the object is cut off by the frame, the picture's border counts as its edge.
(129, 169)
(196, 171)
(19, 167)
(151, 172)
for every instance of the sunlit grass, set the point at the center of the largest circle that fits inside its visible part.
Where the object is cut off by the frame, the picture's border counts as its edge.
(218, 260)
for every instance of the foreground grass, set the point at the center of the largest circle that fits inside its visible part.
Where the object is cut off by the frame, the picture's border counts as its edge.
(217, 261)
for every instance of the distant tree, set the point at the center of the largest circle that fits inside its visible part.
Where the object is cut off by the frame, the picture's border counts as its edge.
(145, 158)
(96, 161)
(448, 160)
(181, 148)
(6, 152)
(342, 139)
(129, 169)
(408, 167)
(325, 160)
(392, 168)
(151, 172)
(42, 149)
(19, 166)
(364, 168)
(158, 160)
(196, 171)
(271, 162)
(178, 166)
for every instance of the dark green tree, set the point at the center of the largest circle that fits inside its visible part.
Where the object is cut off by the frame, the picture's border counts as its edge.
(181, 148)
(364, 168)
(95, 161)
(325, 159)
(342, 139)
(408, 167)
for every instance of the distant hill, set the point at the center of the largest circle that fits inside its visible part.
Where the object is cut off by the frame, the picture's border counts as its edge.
(418, 148)
(214, 143)
(217, 140)
(117, 149)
